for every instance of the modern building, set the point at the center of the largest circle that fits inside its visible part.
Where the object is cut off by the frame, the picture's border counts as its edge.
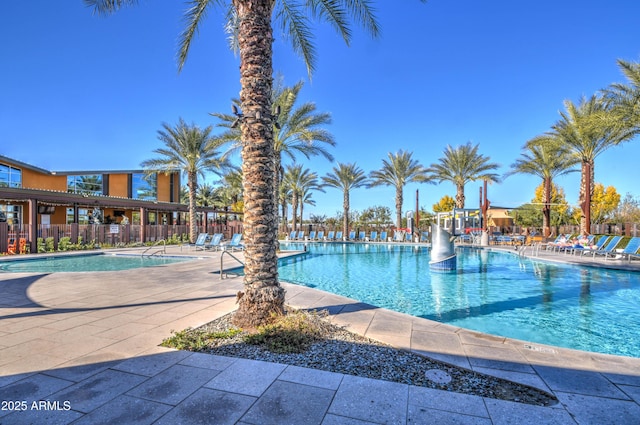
(33, 200)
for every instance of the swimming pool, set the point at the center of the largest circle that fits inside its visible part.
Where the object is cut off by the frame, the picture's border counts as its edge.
(584, 308)
(85, 263)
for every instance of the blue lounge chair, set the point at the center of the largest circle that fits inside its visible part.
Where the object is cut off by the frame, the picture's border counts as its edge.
(312, 235)
(320, 235)
(362, 236)
(383, 236)
(338, 236)
(409, 237)
(201, 240)
(630, 250)
(609, 247)
(330, 235)
(234, 244)
(424, 237)
(301, 235)
(292, 235)
(214, 243)
(352, 235)
(579, 247)
(598, 245)
(373, 237)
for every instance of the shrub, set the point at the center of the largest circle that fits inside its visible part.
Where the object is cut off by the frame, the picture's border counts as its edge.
(65, 244)
(196, 339)
(291, 333)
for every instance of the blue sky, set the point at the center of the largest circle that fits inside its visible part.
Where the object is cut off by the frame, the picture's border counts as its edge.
(84, 92)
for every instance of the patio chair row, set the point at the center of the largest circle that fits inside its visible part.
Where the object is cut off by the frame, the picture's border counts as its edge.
(373, 236)
(214, 242)
(605, 246)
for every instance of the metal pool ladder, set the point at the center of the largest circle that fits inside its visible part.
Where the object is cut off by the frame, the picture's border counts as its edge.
(222, 273)
(162, 250)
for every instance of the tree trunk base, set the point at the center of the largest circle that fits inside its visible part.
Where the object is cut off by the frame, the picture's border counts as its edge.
(259, 305)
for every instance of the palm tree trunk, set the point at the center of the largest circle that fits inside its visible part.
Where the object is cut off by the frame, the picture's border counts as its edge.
(586, 189)
(460, 196)
(276, 183)
(192, 183)
(301, 211)
(398, 207)
(262, 293)
(546, 209)
(346, 206)
(294, 210)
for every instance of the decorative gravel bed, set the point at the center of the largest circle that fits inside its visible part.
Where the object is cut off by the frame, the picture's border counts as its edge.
(338, 350)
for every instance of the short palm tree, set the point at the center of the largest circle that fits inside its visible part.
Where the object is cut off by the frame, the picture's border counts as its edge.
(299, 181)
(346, 177)
(193, 151)
(545, 157)
(462, 165)
(206, 195)
(397, 171)
(587, 130)
(299, 129)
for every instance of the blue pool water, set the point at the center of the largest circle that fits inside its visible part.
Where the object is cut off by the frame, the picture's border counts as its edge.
(584, 308)
(84, 263)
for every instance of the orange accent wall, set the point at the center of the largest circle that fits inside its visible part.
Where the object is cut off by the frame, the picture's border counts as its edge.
(34, 180)
(164, 187)
(118, 185)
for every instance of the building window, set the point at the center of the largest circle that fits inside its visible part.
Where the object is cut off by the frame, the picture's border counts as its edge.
(11, 214)
(10, 177)
(86, 184)
(144, 186)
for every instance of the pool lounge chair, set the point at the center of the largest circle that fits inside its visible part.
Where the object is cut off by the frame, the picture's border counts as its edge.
(398, 236)
(234, 244)
(373, 237)
(362, 236)
(609, 247)
(630, 250)
(300, 235)
(383, 236)
(292, 236)
(352, 235)
(597, 246)
(312, 235)
(409, 237)
(330, 235)
(214, 242)
(201, 240)
(339, 236)
(424, 237)
(578, 247)
(320, 235)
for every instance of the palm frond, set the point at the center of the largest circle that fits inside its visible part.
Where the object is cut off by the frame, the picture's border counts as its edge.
(106, 7)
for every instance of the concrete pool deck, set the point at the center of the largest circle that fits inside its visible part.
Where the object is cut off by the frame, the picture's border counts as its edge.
(83, 348)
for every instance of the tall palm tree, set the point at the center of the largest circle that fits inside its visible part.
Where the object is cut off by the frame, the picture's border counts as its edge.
(399, 170)
(587, 130)
(346, 177)
(299, 128)
(544, 156)
(193, 151)
(251, 27)
(299, 181)
(462, 165)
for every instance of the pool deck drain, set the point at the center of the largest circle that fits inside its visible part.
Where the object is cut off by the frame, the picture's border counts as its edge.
(63, 336)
